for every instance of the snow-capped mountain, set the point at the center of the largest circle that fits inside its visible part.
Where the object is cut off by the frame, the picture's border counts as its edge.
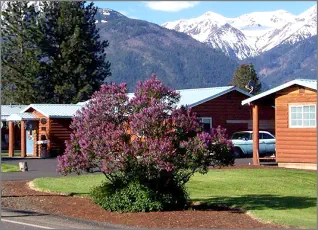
(250, 34)
(106, 14)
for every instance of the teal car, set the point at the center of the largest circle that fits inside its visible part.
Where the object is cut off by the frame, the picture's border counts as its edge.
(243, 143)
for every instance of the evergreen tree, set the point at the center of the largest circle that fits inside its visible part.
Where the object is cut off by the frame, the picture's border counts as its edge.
(20, 54)
(245, 74)
(74, 58)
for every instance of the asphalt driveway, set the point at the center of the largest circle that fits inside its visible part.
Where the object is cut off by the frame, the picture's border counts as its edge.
(47, 168)
(37, 168)
(21, 219)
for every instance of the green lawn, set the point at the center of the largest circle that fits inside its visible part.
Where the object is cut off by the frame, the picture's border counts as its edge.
(74, 185)
(9, 168)
(5, 153)
(281, 196)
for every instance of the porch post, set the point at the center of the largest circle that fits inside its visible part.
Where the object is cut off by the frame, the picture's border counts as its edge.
(23, 139)
(11, 139)
(255, 135)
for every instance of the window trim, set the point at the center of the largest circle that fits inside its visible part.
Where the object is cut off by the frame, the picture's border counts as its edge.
(302, 126)
(209, 118)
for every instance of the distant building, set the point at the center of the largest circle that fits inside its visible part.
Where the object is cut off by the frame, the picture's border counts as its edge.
(295, 121)
(49, 123)
(6, 111)
(40, 124)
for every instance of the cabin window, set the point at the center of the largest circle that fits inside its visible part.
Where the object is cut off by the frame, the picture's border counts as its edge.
(206, 123)
(302, 116)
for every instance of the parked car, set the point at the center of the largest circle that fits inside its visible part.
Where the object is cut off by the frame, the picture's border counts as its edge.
(243, 143)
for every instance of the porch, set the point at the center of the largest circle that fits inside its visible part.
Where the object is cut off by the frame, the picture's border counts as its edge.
(256, 111)
(295, 123)
(27, 126)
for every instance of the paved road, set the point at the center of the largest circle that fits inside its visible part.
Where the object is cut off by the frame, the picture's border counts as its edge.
(244, 161)
(47, 168)
(14, 219)
(37, 168)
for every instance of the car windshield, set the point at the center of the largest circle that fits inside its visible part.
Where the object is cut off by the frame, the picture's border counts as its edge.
(241, 136)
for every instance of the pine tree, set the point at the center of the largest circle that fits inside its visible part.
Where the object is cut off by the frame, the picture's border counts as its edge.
(75, 60)
(243, 75)
(20, 54)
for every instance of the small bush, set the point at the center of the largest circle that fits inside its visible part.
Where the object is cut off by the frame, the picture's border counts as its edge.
(136, 197)
(132, 198)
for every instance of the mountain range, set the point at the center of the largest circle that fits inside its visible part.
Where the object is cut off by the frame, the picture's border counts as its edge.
(286, 62)
(184, 63)
(250, 34)
(205, 51)
(139, 48)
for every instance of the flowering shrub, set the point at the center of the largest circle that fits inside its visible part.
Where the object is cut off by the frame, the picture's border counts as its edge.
(222, 147)
(147, 140)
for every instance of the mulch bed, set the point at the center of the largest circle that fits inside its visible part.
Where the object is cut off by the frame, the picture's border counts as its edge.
(18, 195)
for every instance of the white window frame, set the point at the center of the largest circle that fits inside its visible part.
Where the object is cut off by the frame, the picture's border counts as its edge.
(301, 126)
(208, 118)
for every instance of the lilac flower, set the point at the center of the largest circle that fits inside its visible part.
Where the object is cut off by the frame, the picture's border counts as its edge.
(140, 138)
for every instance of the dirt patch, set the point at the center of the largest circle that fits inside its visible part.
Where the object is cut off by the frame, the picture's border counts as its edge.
(18, 195)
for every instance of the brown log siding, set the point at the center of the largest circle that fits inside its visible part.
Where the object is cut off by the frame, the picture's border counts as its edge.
(228, 107)
(294, 145)
(59, 132)
(37, 148)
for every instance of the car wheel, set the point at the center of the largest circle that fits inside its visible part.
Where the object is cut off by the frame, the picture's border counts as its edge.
(238, 153)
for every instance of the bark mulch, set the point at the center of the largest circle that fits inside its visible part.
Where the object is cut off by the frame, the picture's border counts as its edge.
(18, 195)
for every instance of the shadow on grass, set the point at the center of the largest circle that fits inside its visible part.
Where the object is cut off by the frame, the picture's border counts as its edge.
(79, 194)
(259, 202)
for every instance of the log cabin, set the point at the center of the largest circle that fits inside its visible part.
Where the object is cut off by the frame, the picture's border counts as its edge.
(48, 124)
(44, 129)
(221, 106)
(295, 122)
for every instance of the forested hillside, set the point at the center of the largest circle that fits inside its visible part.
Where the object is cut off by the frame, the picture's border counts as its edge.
(139, 48)
(287, 62)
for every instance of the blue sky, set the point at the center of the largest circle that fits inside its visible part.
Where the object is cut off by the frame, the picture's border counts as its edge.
(161, 12)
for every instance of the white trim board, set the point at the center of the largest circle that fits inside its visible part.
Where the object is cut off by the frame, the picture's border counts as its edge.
(302, 119)
(234, 88)
(312, 84)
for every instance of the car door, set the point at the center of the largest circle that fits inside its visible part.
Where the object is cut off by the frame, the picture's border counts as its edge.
(243, 141)
(270, 142)
(249, 144)
(262, 144)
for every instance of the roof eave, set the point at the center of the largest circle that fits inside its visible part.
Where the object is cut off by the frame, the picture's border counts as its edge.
(35, 108)
(274, 90)
(221, 94)
(16, 117)
(55, 117)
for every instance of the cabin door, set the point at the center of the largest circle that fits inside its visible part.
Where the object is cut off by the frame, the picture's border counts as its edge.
(29, 142)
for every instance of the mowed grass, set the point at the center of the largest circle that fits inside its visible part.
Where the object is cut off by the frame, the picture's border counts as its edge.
(282, 196)
(5, 153)
(73, 185)
(9, 168)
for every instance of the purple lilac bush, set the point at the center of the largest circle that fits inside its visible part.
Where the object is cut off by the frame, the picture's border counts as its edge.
(145, 139)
